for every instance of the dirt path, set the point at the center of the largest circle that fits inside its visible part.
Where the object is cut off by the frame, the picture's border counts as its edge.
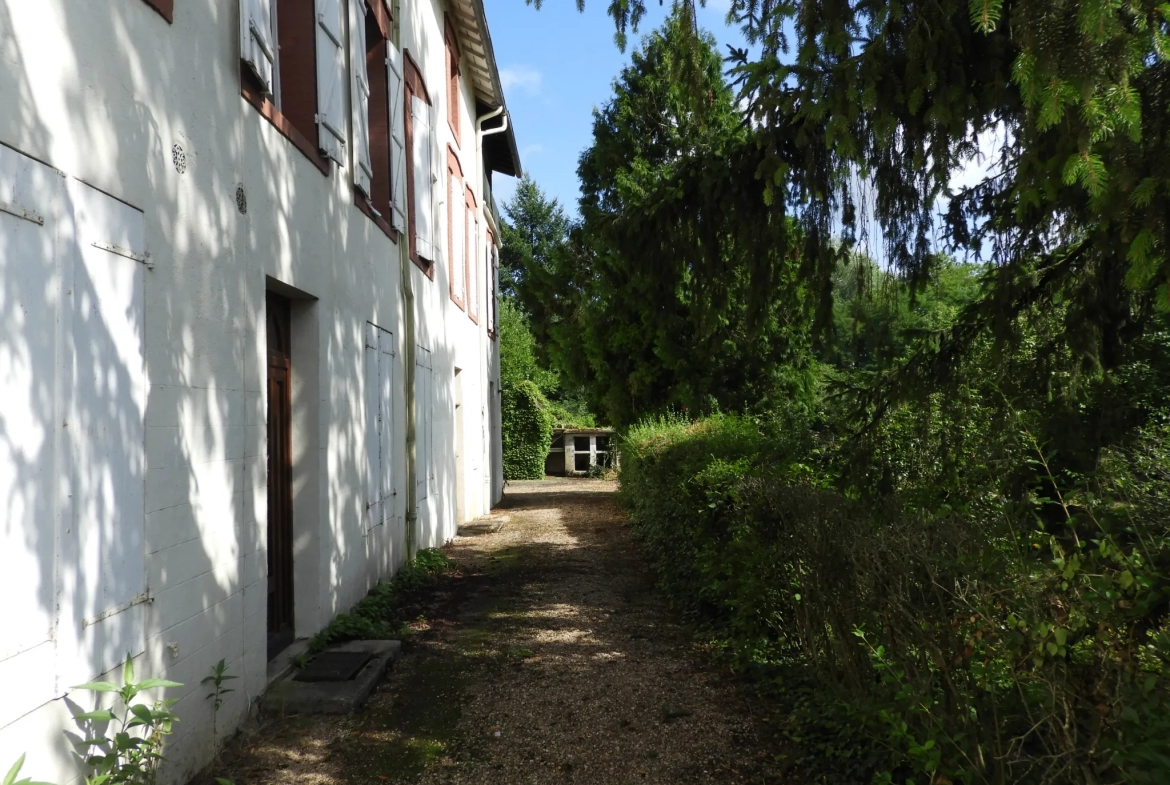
(544, 658)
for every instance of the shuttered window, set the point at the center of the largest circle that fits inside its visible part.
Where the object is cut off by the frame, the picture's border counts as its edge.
(490, 265)
(424, 390)
(395, 86)
(257, 41)
(381, 495)
(364, 116)
(378, 127)
(294, 72)
(453, 100)
(474, 241)
(420, 168)
(456, 230)
(330, 80)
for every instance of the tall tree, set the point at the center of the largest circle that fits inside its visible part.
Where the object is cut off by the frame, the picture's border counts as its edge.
(640, 335)
(533, 230)
(1075, 210)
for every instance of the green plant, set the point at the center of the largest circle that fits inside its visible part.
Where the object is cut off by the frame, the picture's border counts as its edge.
(11, 777)
(378, 614)
(527, 431)
(218, 678)
(124, 744)
(1003, 623)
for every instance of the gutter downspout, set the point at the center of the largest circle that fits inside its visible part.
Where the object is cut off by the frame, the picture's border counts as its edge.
(409, 354)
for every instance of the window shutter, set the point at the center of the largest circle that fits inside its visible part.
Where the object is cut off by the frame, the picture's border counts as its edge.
(330, 81)
(386, 423)
(257, 42)
(397, 137)
(424, 178)
(363, 172)
(373, 442)
(422, 421)
(455, 215)
(473, 240)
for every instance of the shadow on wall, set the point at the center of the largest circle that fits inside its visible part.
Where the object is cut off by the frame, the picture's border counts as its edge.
(198, 530)
(110, 111)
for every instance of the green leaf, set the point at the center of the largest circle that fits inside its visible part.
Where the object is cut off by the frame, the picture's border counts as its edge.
(985, 14)
(98, 686)
(151, 684)
(101, 715)
(10, 777)
(128, 670)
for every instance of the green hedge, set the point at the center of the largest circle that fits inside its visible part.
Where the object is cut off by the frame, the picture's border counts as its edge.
(527, 431)
(960, 644)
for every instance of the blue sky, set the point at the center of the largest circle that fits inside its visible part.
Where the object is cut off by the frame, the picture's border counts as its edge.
(556, 65)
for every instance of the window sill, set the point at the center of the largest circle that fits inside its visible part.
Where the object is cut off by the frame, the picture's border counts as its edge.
(458, 302)
(270, 113)
(427, 267)
(165, 8)
(360, 200)
(474, 319)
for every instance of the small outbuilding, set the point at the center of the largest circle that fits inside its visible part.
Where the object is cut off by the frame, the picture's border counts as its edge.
(574, 451)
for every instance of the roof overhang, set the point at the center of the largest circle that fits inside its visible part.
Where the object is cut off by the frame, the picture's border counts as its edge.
(479, 59)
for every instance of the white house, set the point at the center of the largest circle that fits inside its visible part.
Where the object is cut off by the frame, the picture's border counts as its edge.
(247, 354)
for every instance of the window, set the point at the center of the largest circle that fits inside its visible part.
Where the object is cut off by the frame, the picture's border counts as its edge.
(378, 128)
(424, 390)
(490, 272)
(380, 507)
(456, 230)
(453, 99)
(165, 8)
(295, 72)
(470, 268)
(420, 178)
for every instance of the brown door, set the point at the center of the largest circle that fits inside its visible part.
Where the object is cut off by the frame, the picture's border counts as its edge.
(280, 530)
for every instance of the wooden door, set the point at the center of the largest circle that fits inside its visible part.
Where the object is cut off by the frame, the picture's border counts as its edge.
(280, 528)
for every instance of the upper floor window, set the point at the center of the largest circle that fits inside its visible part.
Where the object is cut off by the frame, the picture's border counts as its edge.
(453, 98)
(295, 71)
(474, 242)
(378, 125)
(420, 169)
(457, 238)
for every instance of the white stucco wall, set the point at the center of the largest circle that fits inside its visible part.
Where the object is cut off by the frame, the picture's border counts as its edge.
(100, 90)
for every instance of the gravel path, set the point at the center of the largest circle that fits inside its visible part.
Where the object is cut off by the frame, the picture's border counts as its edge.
(544, 658)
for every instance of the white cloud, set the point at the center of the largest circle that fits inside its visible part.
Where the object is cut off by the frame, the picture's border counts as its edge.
(521, 77)
(529, 150)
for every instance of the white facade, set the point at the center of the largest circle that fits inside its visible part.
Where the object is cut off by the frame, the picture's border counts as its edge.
(148, 211)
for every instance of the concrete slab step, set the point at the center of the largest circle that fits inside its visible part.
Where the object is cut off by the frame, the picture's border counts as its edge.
(287, 695)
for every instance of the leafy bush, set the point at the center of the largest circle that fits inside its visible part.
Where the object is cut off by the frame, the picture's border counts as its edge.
(924, 633)
(527, 431)
(376, 616)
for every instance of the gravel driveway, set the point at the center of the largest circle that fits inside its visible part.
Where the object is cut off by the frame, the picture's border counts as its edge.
(545, 657)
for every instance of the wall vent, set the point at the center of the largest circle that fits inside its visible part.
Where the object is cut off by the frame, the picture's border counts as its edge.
(241, 200)
(179, 158)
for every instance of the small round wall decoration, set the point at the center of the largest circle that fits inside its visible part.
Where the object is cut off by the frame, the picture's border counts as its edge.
(179, 158)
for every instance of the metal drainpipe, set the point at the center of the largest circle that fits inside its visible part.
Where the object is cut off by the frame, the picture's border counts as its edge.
(409, 354)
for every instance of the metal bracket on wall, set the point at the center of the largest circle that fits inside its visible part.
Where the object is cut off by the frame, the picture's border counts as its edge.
(20, 212)
(144, 258)
(139, 600)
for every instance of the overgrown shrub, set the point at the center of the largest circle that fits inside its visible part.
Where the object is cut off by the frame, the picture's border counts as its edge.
(960, 635)
(527, 430)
